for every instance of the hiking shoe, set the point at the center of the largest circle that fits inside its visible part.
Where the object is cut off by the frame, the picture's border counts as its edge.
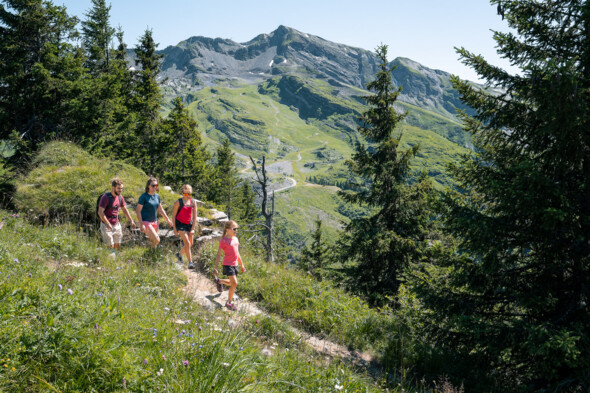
(179, 257)
(231, 306)
(218, 284)
(191, 265)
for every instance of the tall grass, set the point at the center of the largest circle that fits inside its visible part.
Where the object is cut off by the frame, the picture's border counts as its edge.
(75, 319)
(320, 308)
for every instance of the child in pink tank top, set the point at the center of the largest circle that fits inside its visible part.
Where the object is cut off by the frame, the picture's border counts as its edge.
(228, 245)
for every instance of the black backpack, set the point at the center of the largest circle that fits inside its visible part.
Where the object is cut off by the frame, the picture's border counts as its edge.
(109, 204)
(181, 204)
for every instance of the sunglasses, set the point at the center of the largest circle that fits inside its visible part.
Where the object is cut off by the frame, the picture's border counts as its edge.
(154, 185)
(234, 229)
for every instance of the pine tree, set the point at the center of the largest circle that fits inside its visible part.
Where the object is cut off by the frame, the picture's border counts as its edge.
(186, 161)
(513, 305)
(314, 257)
(246, 206)
(120, 139)
(106, 85)
(382, 245)
(225, 178)
(147, 101)
(97, 37)
(39, 72)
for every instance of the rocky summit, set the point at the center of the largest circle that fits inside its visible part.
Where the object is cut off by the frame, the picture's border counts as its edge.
(199, 62)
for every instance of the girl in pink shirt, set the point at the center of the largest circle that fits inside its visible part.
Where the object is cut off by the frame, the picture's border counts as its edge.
(229, 246)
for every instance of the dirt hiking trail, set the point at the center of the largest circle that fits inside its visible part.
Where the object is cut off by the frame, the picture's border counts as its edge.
(203, 292)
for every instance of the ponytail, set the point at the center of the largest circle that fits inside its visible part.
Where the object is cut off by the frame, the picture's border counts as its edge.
(228, 225)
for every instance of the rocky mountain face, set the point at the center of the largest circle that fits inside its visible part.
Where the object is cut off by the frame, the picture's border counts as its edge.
(200, 62)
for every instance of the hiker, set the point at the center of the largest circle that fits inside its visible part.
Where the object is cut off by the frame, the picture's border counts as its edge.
(185, 222)
(108, 212)
(147, 210)
(229, 246)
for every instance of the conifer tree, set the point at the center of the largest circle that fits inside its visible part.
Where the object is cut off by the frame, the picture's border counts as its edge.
(186, 161)
(226, 177)
(147, 101)
(97, 37)
(314, 257)
(39, 72)
(246, 206)
(105, 91)
(513, 304)
(383, 245)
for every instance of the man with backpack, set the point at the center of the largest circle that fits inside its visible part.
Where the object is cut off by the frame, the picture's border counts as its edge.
(109, 204)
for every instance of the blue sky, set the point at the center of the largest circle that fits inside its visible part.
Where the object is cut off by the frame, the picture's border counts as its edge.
(423, 30)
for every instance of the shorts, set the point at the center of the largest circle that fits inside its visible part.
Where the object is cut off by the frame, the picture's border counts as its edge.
(153, 224)
(180, 226)
(229, 270)
(113, 236)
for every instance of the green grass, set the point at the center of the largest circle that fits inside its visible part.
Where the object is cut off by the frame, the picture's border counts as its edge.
(74, 320)
(302, 205)
(66, 181)
(241, 105)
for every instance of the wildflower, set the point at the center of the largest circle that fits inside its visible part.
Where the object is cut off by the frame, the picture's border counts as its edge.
(257, 321)
(338, 387)
(99, 294)
(70, 291)
(241, 348)
(96, 325)
(30, 275)
(60, 286)
(124, 384)
(160, 372)
(163, 357)
(166, 309)
(145, 361)
(225, 364)
(186, 363)
(16, 260)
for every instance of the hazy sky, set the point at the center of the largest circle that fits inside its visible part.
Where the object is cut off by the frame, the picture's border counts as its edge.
(423, 30)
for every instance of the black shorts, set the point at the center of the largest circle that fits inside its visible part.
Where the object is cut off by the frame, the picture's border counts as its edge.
(230, 270)
(180, 226)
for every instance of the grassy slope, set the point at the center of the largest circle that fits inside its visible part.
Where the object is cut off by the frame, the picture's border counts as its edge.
(277, 121)
(66, 180)
(126, 319)
(299, 139)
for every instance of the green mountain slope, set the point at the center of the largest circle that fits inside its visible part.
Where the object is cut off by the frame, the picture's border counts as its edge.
(295, 98)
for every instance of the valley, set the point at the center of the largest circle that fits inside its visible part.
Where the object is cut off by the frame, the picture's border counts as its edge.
(295, 99)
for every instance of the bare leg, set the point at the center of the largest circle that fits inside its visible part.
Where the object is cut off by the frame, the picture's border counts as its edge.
(186, 250)
(233, 283)
(152, 236)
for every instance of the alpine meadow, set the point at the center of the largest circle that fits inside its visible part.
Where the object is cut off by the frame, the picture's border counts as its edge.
(400, 229)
